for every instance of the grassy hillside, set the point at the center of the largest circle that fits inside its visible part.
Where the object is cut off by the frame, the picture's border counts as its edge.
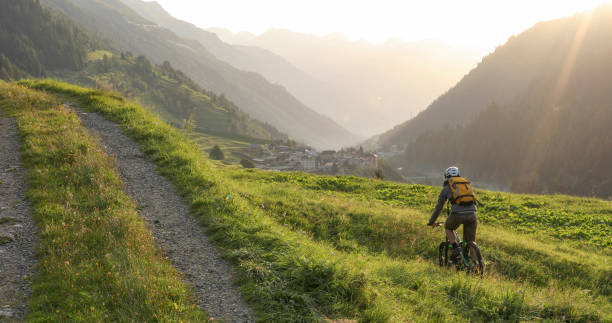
(97, 261)
(313, 247)
(235, 148)
(171, 94)
(584, 220)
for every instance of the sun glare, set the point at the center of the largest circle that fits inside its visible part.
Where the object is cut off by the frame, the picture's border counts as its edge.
(474, 23)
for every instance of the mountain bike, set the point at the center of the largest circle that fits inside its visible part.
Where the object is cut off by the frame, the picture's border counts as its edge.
(470, 258)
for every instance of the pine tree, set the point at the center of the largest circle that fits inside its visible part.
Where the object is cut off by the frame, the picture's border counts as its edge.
(378, 174)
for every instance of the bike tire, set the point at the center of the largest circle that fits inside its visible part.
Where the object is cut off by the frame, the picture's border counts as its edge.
(475, 259)
(443, 254)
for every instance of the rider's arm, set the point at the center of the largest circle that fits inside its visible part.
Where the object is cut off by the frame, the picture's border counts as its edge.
(439, 206)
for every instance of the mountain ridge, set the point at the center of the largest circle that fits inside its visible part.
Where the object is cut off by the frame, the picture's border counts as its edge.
(508, 88)
(171, 94)
(391, 81)
(274, 68)
(37, 41)
(533, 116)
(251, 92)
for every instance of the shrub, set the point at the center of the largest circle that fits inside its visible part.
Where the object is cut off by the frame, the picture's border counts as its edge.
(216, 153)
(247, 163)
(378, 174)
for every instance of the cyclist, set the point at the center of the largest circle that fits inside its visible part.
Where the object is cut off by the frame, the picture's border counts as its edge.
(463, 210)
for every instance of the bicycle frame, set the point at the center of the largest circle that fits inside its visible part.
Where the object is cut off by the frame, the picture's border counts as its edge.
(464, 260)
(463, 246)
(460, 243)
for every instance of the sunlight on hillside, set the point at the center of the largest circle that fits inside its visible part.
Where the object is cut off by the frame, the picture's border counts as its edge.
(479, 24)
(570, 60)
(290, 161)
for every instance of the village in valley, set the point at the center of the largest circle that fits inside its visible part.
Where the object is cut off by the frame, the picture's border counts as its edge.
(288, 157)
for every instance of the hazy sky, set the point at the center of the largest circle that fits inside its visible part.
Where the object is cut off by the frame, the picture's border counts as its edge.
(481, 24)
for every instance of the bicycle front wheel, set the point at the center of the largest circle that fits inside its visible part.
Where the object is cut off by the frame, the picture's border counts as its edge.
(475, 258)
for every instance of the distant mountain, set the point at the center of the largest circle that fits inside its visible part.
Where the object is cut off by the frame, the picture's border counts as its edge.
(367, 87)
(38, 42)
(532, 60)
(534, 115)
(264, 101)
(316, 94)
(172, 95)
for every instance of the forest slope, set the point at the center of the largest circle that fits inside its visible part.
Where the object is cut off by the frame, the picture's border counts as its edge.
(534, 116)
(170, 93)
(550, 65)
(34, 41)
(38, 41)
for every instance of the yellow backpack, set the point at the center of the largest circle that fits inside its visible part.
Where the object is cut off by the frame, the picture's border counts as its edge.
(462, 191)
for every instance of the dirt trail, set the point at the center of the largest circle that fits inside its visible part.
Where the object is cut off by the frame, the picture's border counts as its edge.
(176, 231)
(17, 229)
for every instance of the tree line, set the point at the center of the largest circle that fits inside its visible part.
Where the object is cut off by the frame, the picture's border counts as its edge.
(530, 149)
(34, 40)
(169, 89)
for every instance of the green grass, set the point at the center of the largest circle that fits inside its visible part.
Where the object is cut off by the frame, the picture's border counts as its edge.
(352, 224)
(5, 240)
(310, 248)
(284, 275)
(567, 218)
(8, 221)
(96, 259)
(98, 55)
(234, 148)
(169, 93)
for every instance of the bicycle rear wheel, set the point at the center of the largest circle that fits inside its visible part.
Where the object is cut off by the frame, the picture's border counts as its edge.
(475, 258)
(443, 254)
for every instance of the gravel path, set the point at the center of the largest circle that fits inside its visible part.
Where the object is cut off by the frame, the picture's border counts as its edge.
(176, 231)
(17, 229)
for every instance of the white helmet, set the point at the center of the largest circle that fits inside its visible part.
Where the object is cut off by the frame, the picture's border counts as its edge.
(451, 172)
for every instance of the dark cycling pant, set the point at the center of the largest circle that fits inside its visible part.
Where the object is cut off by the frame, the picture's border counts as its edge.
(469, 221)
